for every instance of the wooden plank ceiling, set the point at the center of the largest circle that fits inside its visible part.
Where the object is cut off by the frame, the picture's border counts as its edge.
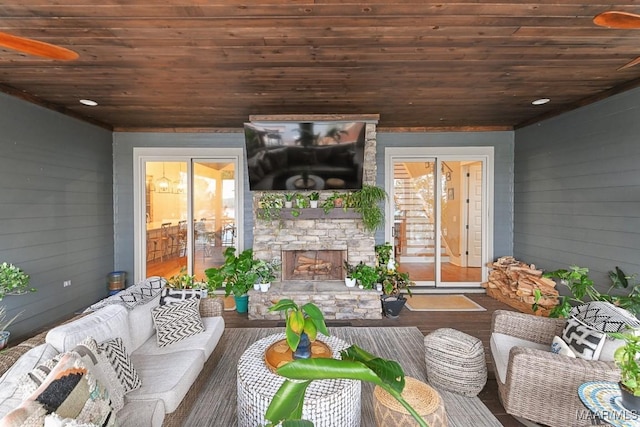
(202, 64)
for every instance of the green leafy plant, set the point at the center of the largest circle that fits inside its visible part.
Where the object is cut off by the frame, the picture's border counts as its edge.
(333, 201)
(4, 324)
(366, 275)
(582, 289)
(356, 364)
(13, 281)
(270, 206)
(301, 200)
(236, 275)
(383, 254)
(348, 269)
(394, 282)
(308, 319)
(626, 358)
(266, 270)
(184, 280)
(366, 202)
(314, 196)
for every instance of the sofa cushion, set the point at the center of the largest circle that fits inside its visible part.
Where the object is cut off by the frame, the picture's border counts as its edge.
(177, 321)
(501, 345)
(166, 376)
(137, 413)
(205, 341)
(141, 323)
(118, 355)
(106, 323)
(10, 394)
(558, 346)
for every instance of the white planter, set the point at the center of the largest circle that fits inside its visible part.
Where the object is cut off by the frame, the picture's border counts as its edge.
(313, 203)
(264, 287)
(379, 287)
(256, 286)
(204, 293)
(349, 282)
(288, 204)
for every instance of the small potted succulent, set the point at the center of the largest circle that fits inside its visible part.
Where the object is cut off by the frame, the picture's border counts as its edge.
(13, 281)
(349, 280)
(288, 200)
(313, 199)
(302, 325)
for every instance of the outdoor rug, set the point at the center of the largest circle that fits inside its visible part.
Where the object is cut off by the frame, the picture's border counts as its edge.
(442, 303)
(216, 404)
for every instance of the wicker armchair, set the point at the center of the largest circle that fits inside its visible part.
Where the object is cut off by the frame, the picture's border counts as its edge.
(541, 386)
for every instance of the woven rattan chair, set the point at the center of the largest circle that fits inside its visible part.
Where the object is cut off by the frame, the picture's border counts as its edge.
(541, 386)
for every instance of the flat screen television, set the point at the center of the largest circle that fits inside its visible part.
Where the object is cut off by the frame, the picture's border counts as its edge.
(294, 156)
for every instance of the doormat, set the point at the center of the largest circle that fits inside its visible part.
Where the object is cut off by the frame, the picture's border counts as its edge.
(229, 303)
(442, 303)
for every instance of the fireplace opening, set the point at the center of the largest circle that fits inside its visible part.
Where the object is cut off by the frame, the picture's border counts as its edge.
(324, 264)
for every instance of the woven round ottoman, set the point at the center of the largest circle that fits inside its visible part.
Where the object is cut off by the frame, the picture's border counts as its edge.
(422, 397)
(455, 361)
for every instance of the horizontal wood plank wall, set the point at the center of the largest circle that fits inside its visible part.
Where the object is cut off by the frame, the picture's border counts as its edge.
(56, 210)
(577, 189)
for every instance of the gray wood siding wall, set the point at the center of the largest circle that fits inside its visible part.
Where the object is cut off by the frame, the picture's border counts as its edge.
(577, 189)
(123, 176)
(56, 210)
(503, 171)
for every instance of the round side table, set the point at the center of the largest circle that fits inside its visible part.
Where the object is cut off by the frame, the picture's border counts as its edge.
(327, 403)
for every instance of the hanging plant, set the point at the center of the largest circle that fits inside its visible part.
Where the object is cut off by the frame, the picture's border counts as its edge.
(366, 202)
(13, 281)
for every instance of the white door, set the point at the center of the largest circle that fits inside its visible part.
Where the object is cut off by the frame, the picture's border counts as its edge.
(474, 215)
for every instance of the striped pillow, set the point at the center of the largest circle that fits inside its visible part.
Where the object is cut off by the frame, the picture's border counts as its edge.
(177, 321)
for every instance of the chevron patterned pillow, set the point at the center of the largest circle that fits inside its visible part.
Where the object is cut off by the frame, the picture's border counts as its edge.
(117, 354)
(177, 321)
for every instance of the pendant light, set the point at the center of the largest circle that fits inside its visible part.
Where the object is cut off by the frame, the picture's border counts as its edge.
(163, 184)
(179, 184)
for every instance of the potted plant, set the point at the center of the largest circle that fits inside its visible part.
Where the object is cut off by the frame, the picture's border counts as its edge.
(365, 275)
(313, 199)
(355, 364)
(301, 201)
(626, 358)
(335, 200)
(288, 200)
(269, 206)
(4, 324)
(266, 272)
(236, 275)
(349, 280)
(366, 202)
(393, 283)
(13, 281)
(184, 280)
(302, 325)
(582, 289)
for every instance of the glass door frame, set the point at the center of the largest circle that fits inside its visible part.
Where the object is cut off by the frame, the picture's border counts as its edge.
(141, 155)
(440, 154)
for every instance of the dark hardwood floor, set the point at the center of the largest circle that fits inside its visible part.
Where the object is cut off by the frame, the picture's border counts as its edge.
(476, 323)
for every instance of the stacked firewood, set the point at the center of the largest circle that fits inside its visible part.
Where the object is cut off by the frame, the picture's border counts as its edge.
(308, 265)
(514, 283)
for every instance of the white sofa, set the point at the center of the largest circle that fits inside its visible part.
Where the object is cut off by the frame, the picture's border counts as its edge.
(167, 373)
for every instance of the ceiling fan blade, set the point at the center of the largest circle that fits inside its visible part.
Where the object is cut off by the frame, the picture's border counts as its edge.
(34, 47)
(631, 63)
(617, 19)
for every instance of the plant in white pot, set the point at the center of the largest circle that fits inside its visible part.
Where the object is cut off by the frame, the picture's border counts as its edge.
(349, 269)
(266, 271)
(13, 281)
(4, 324)
(313, 199)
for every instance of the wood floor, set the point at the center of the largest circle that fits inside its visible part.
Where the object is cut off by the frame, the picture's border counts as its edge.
(476, 323)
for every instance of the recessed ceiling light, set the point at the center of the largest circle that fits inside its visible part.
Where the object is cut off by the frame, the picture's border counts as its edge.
(541, 101)
(88, 102)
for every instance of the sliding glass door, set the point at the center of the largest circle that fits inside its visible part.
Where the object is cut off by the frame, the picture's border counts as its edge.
(188, 213)
(440, 228)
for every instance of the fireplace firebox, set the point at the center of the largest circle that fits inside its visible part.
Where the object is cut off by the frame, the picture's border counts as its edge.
(314, 265)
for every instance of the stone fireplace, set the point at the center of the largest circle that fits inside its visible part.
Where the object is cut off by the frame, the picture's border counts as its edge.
(312, 248)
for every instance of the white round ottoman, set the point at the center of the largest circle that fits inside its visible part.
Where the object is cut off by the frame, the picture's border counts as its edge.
(455, 361)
